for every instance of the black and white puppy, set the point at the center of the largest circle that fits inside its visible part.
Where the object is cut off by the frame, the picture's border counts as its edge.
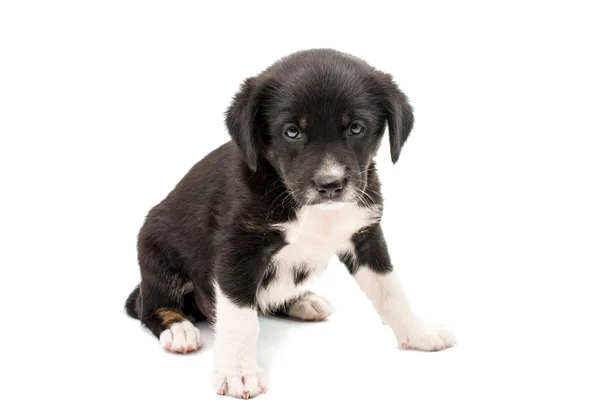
(258, 218)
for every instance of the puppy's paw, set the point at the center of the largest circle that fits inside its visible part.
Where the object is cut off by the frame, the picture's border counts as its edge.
(420, 335)
(181, 337)
(240, 382)
(309, 307)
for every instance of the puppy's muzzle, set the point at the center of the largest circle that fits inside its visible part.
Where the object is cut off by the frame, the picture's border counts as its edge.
(330, 187)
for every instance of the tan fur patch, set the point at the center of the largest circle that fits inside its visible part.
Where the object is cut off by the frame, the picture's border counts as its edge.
(169, 316)
(303, 124)
(345, 119)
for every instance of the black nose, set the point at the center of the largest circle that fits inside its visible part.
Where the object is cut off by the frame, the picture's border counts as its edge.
(329, 187)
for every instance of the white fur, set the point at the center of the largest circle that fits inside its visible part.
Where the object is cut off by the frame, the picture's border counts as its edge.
(280, 289)
(181, 337)
(318, 233)
(331, 168)
(390, 301)
(236, 370)
(310, 307)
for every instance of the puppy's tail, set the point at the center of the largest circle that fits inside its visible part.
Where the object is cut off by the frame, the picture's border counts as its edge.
(132, 302)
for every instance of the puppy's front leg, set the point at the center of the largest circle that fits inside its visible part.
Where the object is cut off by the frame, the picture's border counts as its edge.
(372, 269)
(236, 342)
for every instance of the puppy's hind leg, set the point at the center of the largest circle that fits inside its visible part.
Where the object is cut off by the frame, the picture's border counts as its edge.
(161, 304)
(309, 306)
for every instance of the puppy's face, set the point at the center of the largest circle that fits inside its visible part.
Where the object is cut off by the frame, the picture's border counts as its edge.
(318, 118)
(323, 129)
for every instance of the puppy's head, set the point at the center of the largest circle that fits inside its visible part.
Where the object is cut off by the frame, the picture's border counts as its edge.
(318, 117)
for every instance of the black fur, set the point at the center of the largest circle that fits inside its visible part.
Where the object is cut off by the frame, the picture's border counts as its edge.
(370, 249)
(218, 222)
(300, 274)
(130, 304)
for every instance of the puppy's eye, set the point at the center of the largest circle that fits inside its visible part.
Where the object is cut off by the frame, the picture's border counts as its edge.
(292, 132)
(356, 129)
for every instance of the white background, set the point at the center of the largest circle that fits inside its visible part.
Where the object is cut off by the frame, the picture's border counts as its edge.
(492, 213)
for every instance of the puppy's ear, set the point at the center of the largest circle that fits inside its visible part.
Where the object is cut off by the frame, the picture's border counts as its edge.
(399, 113)
(241, 120)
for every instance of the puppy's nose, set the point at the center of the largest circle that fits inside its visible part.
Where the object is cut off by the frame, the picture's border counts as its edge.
(329, 187)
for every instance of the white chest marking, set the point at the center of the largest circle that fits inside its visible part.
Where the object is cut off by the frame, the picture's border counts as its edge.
(318, 233)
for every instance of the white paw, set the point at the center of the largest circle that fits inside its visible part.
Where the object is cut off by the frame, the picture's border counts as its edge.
(181, 337)
(240, 382)
(310, 307)
(420, 335)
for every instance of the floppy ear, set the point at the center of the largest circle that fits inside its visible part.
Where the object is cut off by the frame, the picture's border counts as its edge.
(399, 114)
(240, 119)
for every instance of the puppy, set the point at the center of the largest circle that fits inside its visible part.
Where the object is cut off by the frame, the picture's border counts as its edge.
(258, 218)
